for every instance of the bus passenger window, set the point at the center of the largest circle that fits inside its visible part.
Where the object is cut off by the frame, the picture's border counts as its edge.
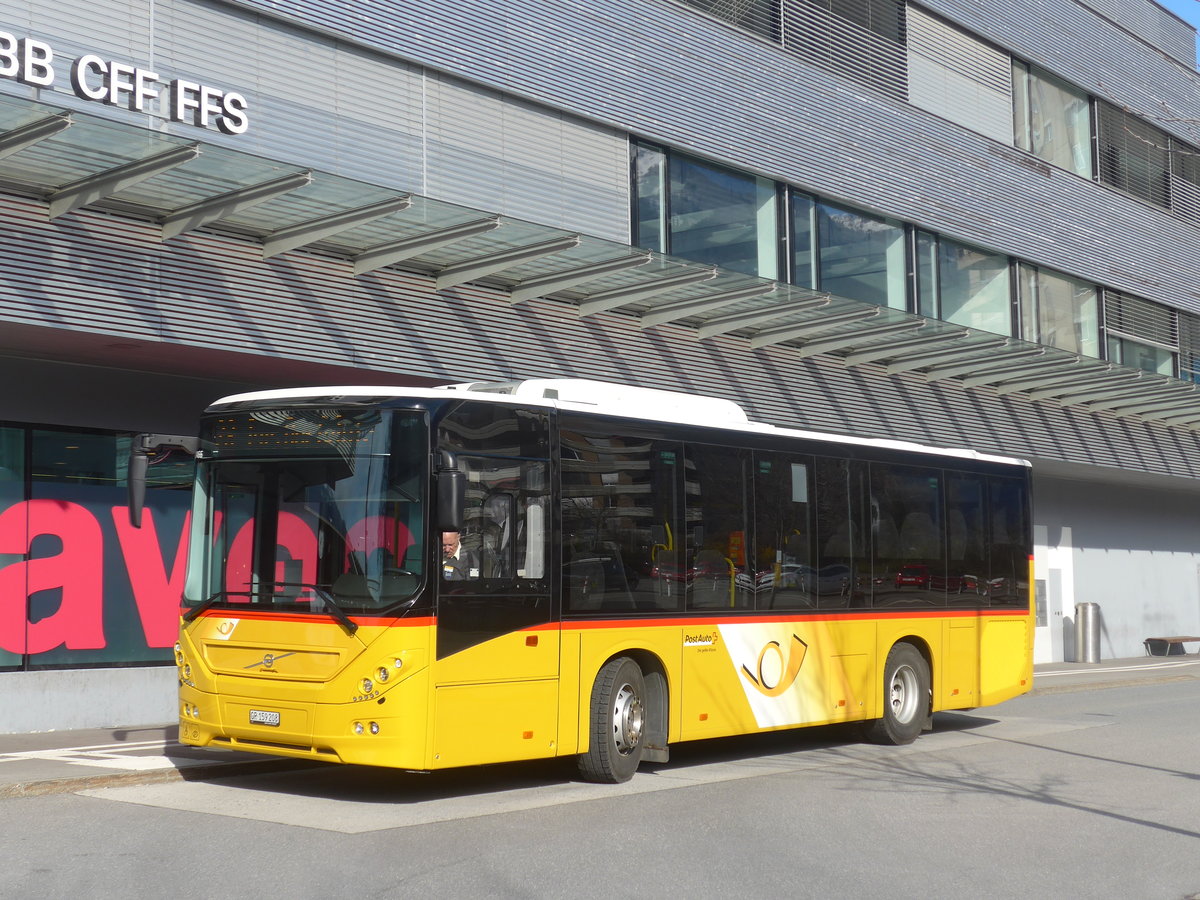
(784, 575)
(622, 534)
(718, 528)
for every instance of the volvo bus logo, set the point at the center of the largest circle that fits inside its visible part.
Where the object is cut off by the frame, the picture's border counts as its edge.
(269, 660)
(772, 684)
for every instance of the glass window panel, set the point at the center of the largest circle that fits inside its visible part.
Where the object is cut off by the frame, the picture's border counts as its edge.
(621, 522)
(722, 217)
(13, 513)
(1008, 552)
(1059, 311)
(926, 274)
(784, 573)
(966, 539)
(974, 288)
(861, 257)
(104, 592)
(501, 552)
(1020, 79)
(650, 213)
(909, 566)
(1053, 120)
(803, 234)
(841, 546)
(1141, 356)
(718, 528)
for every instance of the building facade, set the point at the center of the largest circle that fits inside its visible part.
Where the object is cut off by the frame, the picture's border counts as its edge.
(929, 221)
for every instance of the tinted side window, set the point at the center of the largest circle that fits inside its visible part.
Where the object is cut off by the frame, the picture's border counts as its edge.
(622, 523)
(843, 566)
(966, 539)
(784, 574)
(718, 528)
(473, 427)
(1009, 542)
(909, 561)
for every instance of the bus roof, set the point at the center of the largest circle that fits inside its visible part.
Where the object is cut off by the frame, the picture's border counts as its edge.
(601, 398)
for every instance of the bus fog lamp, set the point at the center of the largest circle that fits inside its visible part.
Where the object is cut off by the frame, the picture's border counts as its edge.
(374, 728)
(358, 728)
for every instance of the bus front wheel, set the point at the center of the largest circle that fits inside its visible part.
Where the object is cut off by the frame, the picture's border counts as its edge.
(905, 697)
(618, 723)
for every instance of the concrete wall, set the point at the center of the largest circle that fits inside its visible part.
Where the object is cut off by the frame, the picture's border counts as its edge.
(1132, 549)
(86, 698)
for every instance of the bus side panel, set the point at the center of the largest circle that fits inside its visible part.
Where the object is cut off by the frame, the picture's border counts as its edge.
(476, 724)
(957, 679)
(571, 712)
(1005, 657)
(711, 701)
(497, 701)
(754, 676)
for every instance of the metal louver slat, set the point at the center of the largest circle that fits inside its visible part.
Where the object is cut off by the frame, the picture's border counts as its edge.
(1133, 155)
(954, 75)
(870, 51)
(760, 17)
(1140, 319)
(1189, 348)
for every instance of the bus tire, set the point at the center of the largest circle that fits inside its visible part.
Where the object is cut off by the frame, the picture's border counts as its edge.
(618, 723)
(905, 697)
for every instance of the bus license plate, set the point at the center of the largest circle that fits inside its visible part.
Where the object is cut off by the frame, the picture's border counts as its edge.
(264, 717)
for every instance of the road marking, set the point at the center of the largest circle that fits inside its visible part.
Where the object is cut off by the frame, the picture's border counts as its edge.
(121, 755)
(1141, 668)
(329, 799)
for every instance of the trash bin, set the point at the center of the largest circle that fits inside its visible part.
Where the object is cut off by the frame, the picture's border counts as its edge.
(1087, 632)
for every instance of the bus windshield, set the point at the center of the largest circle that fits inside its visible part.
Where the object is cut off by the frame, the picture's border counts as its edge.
(309, 510)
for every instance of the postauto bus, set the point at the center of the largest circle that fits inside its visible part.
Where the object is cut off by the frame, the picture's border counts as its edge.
(428, 578)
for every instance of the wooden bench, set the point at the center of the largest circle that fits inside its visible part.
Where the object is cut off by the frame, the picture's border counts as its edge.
(1168, 646)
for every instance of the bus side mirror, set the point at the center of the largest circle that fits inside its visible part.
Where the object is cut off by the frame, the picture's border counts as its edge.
(141, 448)
(451, 494)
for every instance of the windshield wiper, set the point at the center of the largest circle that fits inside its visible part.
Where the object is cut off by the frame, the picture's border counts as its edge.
(327, 598)
(210, 601)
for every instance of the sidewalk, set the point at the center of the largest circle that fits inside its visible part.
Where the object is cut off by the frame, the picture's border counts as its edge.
(62, 761)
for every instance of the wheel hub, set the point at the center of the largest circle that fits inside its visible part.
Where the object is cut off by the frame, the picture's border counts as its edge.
(904, 694)
(628, 718)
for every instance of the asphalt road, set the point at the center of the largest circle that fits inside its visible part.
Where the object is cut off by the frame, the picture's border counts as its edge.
(1081, 793)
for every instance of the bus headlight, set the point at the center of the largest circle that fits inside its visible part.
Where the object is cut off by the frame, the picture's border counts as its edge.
(367, 686)
(382, 674)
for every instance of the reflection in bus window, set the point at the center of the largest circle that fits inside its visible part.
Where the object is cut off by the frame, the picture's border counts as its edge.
(785, 576)
(909, 566)
(621, 520)
(842, 564)
(717, 528)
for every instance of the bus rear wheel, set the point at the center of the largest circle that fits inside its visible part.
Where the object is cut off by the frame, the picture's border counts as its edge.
(905, 698)
(618, 723)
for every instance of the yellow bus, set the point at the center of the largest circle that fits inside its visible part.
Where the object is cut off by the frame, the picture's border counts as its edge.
(429, 578)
